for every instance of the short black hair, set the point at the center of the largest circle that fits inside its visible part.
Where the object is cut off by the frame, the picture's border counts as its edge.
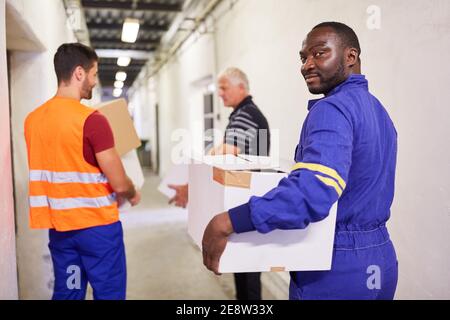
(344, 32)
(71, 55)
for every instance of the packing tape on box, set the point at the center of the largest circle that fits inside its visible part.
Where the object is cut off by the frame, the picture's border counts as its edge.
(240, 179)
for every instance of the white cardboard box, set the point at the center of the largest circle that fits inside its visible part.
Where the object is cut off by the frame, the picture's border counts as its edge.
(177, 175)
(133, 170)
(215, 187)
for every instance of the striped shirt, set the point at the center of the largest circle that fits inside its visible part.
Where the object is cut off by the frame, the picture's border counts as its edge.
(248, 129)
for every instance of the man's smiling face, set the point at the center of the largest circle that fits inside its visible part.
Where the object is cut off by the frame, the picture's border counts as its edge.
(323, 60)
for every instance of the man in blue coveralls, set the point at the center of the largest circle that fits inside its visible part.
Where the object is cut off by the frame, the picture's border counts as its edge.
(347, 153)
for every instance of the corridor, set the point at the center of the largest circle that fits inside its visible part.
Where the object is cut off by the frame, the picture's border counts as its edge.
(163, 263)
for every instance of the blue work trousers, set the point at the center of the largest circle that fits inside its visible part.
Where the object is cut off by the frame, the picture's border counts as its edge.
(95, 255)
(364, 267)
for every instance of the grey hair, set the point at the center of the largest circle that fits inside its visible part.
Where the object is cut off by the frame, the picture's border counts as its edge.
(236, 76)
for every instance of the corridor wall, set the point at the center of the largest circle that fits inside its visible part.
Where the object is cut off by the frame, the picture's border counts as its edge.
(8, 271)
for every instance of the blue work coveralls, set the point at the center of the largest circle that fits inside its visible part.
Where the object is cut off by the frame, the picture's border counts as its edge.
(347, 153)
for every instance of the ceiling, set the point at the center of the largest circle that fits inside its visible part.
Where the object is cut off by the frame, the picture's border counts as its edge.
(104, 19)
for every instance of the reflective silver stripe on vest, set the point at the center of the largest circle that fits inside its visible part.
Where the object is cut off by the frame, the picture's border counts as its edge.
(67, 177)
(38, 201)
(72, 203)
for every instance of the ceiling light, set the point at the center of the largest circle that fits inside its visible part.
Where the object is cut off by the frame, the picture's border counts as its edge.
(123, 61)
(118, 84)
(130, 30)
(117, 92)
(121, 76)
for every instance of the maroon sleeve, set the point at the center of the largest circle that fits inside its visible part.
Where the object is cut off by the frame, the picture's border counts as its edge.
(97, 137)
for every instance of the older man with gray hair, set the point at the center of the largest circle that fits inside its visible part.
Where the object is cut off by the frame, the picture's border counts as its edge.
(247, 133)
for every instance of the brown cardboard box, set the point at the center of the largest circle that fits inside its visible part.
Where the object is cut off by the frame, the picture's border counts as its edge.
(126, 140)
(125, 136)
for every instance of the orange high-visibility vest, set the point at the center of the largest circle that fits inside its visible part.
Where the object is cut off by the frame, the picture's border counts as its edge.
(65, 191)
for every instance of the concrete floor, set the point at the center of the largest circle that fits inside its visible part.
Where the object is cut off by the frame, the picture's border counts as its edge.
(163, 263)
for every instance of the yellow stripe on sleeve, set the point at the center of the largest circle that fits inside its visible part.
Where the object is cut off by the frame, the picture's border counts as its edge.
(331, 183)
(322, 169)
